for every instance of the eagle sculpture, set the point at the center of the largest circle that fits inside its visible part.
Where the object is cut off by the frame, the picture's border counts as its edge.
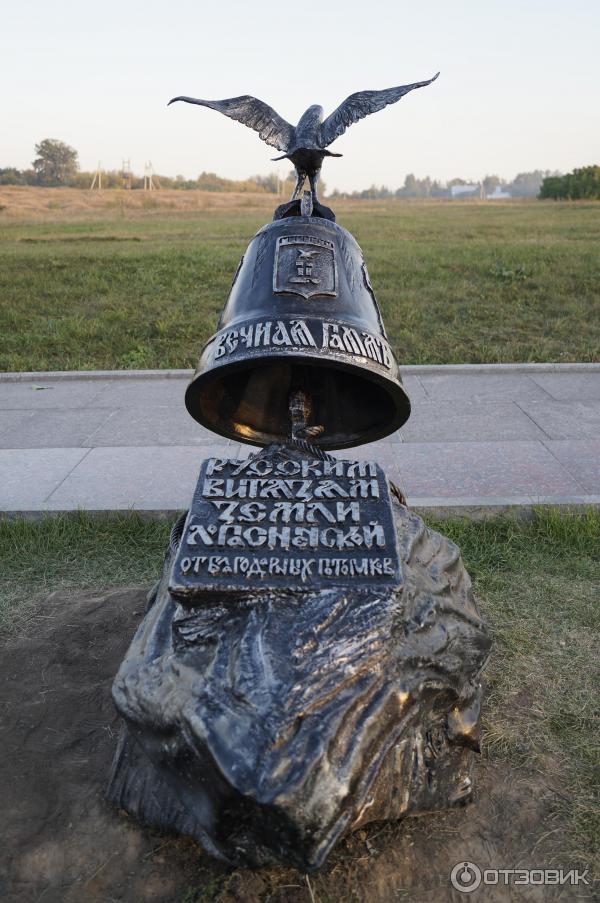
(306, 143)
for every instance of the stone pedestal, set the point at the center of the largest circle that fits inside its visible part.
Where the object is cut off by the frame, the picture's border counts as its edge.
(309, 662)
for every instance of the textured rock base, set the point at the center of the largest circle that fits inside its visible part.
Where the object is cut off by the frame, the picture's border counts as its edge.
(269, 728)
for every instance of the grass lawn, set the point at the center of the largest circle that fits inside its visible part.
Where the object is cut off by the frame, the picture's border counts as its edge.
(119, 286)
(538, 581)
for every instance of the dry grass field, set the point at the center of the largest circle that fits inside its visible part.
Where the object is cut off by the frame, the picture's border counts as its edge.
(118, 279)
(27, 204)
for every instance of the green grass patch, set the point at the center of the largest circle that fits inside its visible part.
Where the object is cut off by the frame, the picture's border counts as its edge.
(76, 551)
(456, 283)
(539, 583)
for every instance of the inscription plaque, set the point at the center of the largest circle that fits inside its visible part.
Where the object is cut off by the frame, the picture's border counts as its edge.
(282, 520)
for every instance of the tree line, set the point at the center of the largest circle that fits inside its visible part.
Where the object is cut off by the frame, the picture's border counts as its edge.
(525, 184)
(581, 184)
(57, 164)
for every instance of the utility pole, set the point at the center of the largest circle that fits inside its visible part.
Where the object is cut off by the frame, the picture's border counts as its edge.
(97, 180)
(151, 182)
(126, 174)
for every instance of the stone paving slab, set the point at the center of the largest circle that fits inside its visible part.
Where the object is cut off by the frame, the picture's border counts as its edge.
(52, 428)
(414, 388)
(466, 422)
(163, 425)
(565, 419)
(481, 438)
(28, 476)
(48, 393)
(136, 393)
(481, 387)
(479, 469)
(581, 458)
(11, 420)
(152, 478)
(566, 386)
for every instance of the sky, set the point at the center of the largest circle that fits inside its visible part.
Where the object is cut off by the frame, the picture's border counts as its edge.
(518, 88)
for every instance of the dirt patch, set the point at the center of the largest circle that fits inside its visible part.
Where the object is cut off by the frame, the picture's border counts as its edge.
(62, 842)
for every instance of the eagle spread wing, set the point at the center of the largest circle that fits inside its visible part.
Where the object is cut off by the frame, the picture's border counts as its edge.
(361, 104)
(253, 113)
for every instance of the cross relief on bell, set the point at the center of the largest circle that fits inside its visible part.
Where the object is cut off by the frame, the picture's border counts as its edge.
(304, 265)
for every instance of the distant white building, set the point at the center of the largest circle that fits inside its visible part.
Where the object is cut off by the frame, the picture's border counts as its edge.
(457, 191)
(497, 195)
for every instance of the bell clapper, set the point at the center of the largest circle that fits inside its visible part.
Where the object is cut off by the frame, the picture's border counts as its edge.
(300, 408)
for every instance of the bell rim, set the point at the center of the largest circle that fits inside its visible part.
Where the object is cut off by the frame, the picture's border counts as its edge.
(202, 380)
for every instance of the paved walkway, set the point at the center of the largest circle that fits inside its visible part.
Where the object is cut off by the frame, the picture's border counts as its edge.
(480, 438)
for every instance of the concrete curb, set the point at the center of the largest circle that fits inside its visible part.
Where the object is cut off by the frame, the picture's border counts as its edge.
(408, 370)
(32, 375)
(438, 509)
(488, 509)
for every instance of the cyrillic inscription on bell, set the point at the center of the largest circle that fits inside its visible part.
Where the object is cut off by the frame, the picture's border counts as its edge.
(305, 266)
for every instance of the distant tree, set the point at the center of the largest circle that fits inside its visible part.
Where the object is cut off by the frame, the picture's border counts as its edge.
(410, 189)
(210, 181)
(438, 189)
(581, 184)
(56, 163)
(490, 183)
(551, 187)
(416, 188)
(528, 184)
(268, 183)
(376, 192)
(11, 176)
(111, 178)
(179, 182)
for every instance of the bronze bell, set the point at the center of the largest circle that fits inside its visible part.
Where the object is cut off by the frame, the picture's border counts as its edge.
(301, 317)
